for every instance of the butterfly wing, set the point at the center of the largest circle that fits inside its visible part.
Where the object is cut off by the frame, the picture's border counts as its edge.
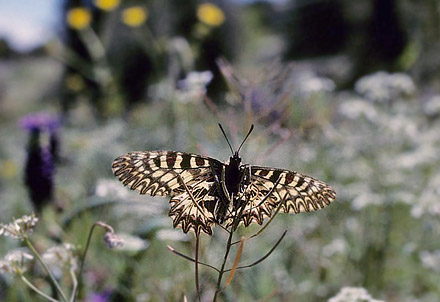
(188, 178)
(298, 193)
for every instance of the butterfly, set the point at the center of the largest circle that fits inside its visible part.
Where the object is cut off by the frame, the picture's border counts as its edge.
(205, 192)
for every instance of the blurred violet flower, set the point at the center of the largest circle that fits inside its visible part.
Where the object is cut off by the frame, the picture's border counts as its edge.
(99, 297)
(41, 154)
(266, 95)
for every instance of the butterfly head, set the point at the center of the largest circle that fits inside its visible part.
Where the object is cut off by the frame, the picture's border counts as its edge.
(235, 159)
(235, 155)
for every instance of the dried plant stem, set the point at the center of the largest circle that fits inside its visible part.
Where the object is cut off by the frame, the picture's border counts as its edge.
(52, 278)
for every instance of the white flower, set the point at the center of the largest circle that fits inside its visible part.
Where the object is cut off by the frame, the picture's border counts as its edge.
(14, 262)
(20, 228)
(431, 260)
(174, 235)
(353, 294)
(109, 188)
(356, 108)
(382, 86)
(132, 243)
(193, 87)
(428, 201)
(309, 85)
(432, 106)
(337, 246)
(60, 256)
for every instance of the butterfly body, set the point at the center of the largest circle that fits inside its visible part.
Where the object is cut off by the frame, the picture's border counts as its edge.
(205, 191)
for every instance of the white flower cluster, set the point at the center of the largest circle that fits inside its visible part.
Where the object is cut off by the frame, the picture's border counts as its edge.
(383, 87)
(60, 256)
(353, 294)
(110, 188)
(20, 228)
(431, 260)
(432, 106)
(310, 85)
(193, 87)
(14, 262)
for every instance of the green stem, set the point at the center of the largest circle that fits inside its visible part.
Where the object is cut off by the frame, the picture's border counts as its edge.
(28, 283)
(83, 258)
(75, 285)
(52, 278)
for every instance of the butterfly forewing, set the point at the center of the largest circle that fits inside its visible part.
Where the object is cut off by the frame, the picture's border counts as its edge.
(187, 178)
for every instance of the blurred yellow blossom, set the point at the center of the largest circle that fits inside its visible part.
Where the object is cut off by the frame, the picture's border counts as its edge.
(74, 82)
(78, 18)
(210, 14)
(107, 4)
(134, 16)
(8, 169)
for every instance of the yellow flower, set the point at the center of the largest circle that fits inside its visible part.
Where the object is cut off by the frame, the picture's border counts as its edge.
(210, 14)
(107, 4)
(8, 169)
(134, 16)
(74, 82)
(78, 18)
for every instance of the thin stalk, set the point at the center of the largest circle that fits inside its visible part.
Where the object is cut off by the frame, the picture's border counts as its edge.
(191, 259)
(222, 269)
(196, 270)
(264, 257)
(266, 225)
(75, 285)
(83, 258)
(28, 283)
(52, 278)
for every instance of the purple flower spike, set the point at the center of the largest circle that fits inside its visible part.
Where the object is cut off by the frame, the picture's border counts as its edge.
(39, 172)
(42, 121)
(41, 156)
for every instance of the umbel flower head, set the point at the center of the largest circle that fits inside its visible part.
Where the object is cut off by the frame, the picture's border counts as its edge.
(20, 228)
(42, 150)
(353, 294)
(61, 256)
(14, 262)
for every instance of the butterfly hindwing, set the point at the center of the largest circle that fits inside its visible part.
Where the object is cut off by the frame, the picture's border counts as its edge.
(188, 178)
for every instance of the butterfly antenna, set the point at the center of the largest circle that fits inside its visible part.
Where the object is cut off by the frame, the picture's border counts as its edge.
(224, 133)
(249, 133)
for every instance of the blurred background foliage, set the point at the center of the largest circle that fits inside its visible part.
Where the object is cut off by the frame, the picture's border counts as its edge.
(346, 91)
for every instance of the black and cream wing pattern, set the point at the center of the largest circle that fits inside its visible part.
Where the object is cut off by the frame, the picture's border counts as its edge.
(205, 191)
(187, 178)
(270, 188)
